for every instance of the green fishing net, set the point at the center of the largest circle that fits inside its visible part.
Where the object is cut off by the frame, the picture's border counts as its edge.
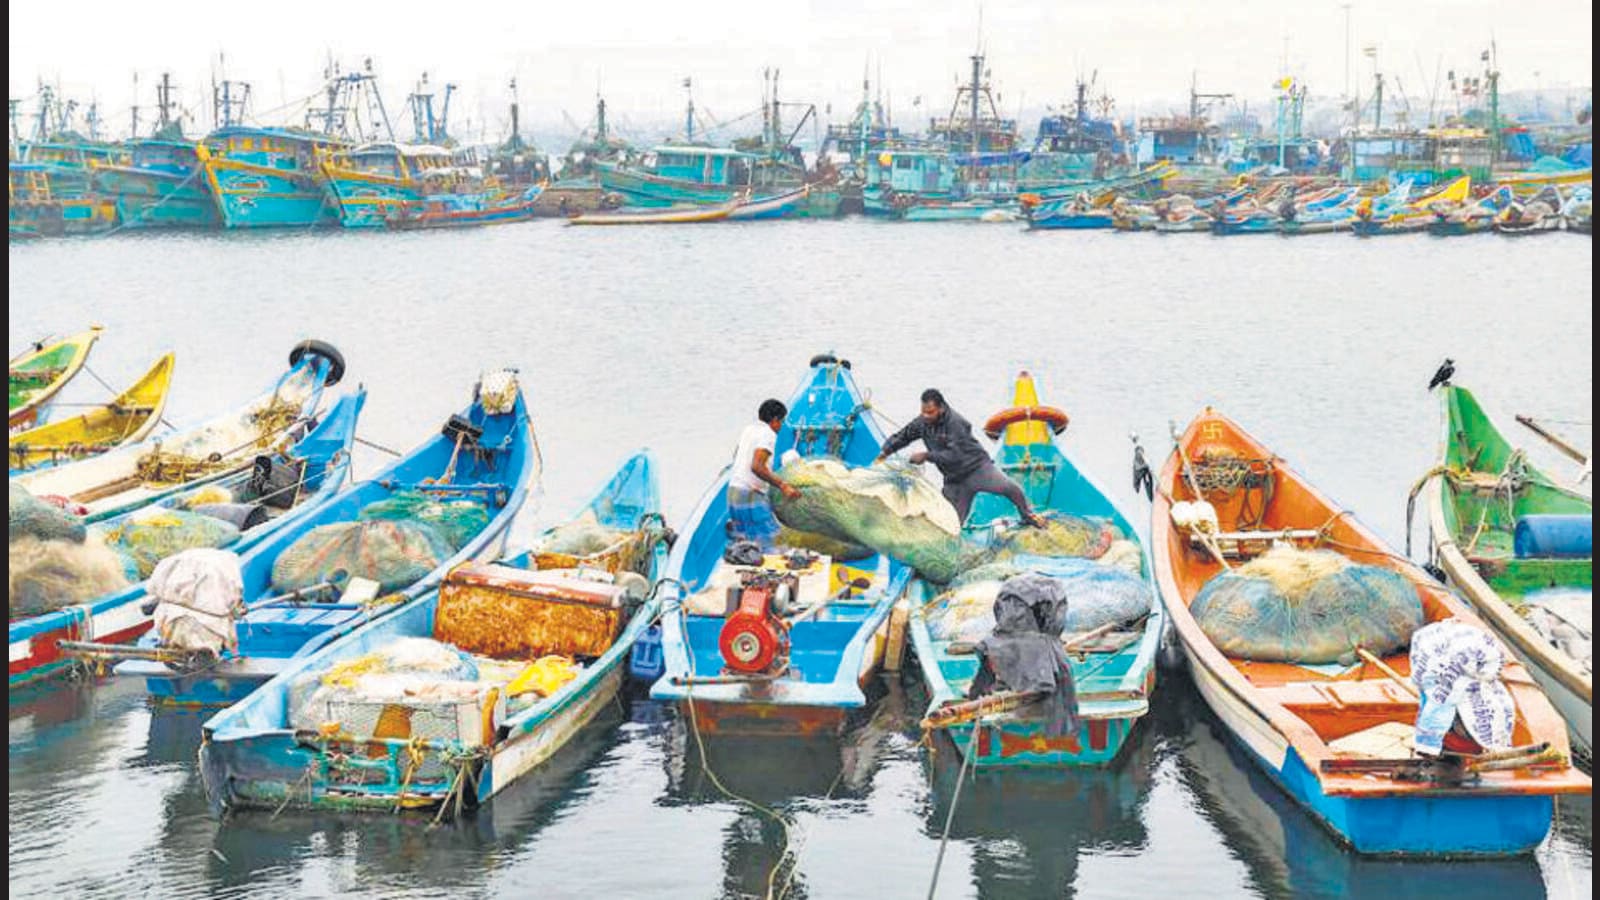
(888, 507)
(32, 517)
(1301, 606)
(457, 521)
(149, 537)
(394, 554)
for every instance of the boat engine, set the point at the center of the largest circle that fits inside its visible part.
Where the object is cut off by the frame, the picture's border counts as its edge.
(755, 637)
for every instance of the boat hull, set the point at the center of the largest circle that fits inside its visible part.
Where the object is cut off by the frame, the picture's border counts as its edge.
(646, 190)
(151, 198)
(250, 196)
(1432, 825)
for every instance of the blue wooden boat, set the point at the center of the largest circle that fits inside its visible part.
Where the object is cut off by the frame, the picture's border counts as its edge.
(252, 755)
(777, 206)
(496, 468)
(269, 177)
(1068, 213)
(975, 210)
(832, 654)
(136, 475)
(323, 454)
(1473, 218)
(680, 173)
(1114, 673)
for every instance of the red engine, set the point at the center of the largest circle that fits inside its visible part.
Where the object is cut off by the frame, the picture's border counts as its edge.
(755, 638)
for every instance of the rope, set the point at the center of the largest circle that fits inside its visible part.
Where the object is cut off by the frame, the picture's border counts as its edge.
(705, 764)
(198, 168)
(376, 446)
(955, 799)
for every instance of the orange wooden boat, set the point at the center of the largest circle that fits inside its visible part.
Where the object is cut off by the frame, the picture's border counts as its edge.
(1308, 728)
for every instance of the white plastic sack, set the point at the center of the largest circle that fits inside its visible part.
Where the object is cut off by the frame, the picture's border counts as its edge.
(199, 593)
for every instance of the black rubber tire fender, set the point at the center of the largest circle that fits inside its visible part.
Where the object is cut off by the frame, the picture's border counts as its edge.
(313, 347)
(828, 359)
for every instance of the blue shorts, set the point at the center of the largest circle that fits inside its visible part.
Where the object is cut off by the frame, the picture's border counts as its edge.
(750, 518)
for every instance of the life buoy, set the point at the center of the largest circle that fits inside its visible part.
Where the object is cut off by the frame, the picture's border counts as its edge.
(1049, 415)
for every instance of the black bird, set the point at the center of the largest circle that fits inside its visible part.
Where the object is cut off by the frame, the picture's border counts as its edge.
(1443, 375)
(1141, 473)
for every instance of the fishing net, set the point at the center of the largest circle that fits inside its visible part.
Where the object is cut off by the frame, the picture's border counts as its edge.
(394, 554)
(583, 536)
(35, 518)
(456, 521)
(1307, 606)
(410, 687)
(158, 466)
(1063, 535)
(149, 536)
(47, 575)
(206, 496)
(1097, 595)
(835, 549)
(889, 508)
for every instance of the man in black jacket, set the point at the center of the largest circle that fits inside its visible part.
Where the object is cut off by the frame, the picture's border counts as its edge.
(967, 469)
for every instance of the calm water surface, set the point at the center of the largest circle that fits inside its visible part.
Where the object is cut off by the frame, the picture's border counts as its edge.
(669, 338)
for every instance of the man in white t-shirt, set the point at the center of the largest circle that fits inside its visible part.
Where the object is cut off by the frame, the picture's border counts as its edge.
(750, 515)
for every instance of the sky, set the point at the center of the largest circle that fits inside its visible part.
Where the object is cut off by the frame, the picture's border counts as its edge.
(1142, 52)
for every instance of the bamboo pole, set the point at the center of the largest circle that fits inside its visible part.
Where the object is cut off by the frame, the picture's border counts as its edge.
(1396, 677)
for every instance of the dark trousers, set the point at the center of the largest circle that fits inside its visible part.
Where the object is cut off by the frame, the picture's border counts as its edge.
(986, 480)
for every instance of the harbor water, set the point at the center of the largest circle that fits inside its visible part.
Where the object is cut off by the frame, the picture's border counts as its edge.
(670, 337)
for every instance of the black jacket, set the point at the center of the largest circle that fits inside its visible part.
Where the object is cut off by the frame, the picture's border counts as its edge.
(950, 444)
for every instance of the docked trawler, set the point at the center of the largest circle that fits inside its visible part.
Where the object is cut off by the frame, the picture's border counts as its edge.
(967, 170)
(768, 171)
(50, 182)
(1075, 146)
(162, 184)
(576, 188)
(272, 177)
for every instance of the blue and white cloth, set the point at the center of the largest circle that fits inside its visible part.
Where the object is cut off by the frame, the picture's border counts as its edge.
(750, 518)
(1457, 671)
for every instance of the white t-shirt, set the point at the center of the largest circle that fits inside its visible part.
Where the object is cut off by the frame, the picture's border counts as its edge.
(755, 436)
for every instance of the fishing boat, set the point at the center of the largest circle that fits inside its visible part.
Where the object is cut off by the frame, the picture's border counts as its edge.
(257, 753)
(777, 206)
(1330, 211)
(1578, 211)
(1412, 216)
(678, 215)
(835, 645)
(41, 371)
(1308, 728)
(483, 456)
(319, 462)
(376, 182)
(1079, 212)
(161, 184)
(1470, 218)
(674, 174)
(1538, 215)
(927, 209)
(1114, 670)
(36, 209)
(446, 209)
(133, 476)
(127, 419)
(1483, 497)
(268, 177)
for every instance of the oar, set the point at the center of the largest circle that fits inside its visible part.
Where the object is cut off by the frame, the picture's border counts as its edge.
(1572, 452)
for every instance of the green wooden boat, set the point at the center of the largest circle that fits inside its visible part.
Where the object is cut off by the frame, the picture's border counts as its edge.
(41, 371)
(1479, 495)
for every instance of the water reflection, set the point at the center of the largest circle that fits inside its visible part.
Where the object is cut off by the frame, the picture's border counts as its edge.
(1287, 852)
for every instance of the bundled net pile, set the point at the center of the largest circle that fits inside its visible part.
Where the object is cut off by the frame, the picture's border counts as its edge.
(54, 561)
(583, 536)
(831, 547)
(1062, 535)
(394, 542)
(1307, 606)
(1096, 594)
(149, 536)
(890, 508)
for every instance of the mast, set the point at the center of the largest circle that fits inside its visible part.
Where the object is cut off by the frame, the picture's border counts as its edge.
(164, 102)
(1377, 102)
(688, 116)
(977, 76)
(133, 111)
(1494, 103)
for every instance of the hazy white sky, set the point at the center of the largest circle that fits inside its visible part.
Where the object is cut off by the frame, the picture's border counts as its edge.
(639, 52)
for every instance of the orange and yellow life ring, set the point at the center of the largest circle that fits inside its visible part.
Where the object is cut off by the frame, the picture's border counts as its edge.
(1049, 415)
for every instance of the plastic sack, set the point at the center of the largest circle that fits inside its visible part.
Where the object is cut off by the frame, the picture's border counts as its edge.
(47, 575)
(1302, 606)
(151, 535)
(544, 677)
(1457, 671)
(457, 521)
(889, 508)
(32, 517)
(394, 554)
(198, 595)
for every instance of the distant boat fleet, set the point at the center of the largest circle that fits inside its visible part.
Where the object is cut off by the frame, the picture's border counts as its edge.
(343, 166)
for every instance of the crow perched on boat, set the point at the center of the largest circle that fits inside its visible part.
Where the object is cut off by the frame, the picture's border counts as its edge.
(1141, 471)
(1443, 375)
